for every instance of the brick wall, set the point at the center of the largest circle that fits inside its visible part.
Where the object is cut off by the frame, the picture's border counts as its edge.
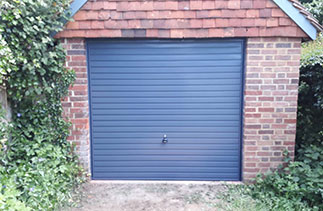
(76, 105)
(270, 102)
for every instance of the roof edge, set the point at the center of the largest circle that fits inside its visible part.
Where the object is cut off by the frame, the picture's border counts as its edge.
(76, 6)
(297, 17)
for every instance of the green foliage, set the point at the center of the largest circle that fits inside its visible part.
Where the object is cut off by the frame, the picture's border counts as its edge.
(316, 8)
(310, 99)
(37, 161)
(9, 198)
(237, 198)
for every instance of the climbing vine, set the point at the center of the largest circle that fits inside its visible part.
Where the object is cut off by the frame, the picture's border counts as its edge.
(36, 156)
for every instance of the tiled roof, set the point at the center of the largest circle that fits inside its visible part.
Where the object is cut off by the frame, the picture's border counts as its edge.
(181, 19)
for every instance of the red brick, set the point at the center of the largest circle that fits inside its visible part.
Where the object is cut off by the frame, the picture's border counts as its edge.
(208, 5)
(216, 33)
(97, 5)
(92, 15)
(266, 109)
(215, 13)
(148, 5)
(80, 15)
(221, 22)
(171, 5)
(270, 4)
(285, 21)
(247, 22)
(278, 13)
(97, 25)
(159, 5)
(202, 14)
(72, 25)
(272, 22)
(163, 33)
(177, 33)
(234, 4)
(289, 132)
(178, 14)
(264, 153)
(152, 33)
(228, 13)
(252, 126)
(265, 13)
(252, 13)
(109, 5)
(253, 92)
(266, 98)
(246, 4)
(189, 14)
(196, 23)
(196, 5)
(234, 22)
(183, 5)
(221, 4)
(208, 23)
(228, 32)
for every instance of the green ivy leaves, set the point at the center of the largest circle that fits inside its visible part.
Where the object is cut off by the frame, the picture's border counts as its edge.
(38, 158)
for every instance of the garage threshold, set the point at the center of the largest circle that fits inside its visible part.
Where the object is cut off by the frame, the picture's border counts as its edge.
(166, 182)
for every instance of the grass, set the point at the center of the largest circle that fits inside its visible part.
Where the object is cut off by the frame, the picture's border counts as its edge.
(235, 199)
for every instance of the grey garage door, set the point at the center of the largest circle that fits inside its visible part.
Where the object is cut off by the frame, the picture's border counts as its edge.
(144, 93)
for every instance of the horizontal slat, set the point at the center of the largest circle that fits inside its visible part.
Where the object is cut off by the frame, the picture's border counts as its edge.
(167, 169)
(166, 123)
(161, 146)
(134, 111)
(175, 87)
(135, 129)
(109, 105)
(148, 163)
(164, 152)
(168, 57)
(167, 94)
(162, 69)
(153, 64)
(167, 117)
(168, 100)
(156, 76)
(168, 175)
(154, 140)
(169, 134)
(171, 158)
(164, 82)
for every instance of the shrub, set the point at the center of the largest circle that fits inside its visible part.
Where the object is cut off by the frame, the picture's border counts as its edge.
(315, 7)
(310, 98)
(38, 168)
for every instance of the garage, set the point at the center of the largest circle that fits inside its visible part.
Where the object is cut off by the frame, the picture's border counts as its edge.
(165, 109)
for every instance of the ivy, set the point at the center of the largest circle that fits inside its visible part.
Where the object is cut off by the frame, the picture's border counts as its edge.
(37, 159)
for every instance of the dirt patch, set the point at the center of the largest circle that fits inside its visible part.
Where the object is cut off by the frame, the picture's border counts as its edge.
(148, 197)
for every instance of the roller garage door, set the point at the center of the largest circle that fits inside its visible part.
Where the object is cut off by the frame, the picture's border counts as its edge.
(165, 109)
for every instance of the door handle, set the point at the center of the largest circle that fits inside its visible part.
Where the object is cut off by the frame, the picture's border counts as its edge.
(165, 139)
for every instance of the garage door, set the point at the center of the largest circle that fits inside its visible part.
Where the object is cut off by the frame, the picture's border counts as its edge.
(165, 109)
